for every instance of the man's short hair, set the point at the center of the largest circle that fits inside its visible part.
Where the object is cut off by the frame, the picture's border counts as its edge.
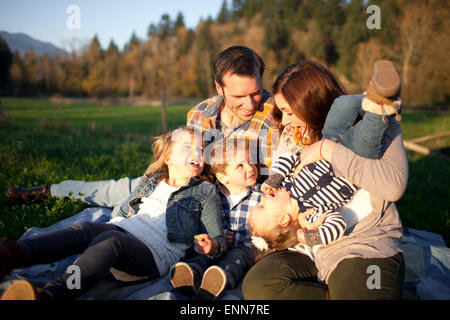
(237, 60)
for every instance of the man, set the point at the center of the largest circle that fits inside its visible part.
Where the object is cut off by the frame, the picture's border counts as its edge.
(242, 107)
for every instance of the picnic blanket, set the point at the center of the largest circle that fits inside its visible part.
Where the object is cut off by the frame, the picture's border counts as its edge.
(427, 275)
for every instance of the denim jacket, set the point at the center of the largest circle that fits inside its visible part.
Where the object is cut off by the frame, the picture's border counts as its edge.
(191, 210)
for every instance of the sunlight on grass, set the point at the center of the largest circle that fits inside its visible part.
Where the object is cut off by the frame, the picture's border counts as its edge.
(46, 142)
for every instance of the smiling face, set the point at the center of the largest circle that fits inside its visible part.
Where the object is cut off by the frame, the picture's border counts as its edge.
(271, 211)
(186, 157)
(289, 117)
(242, 96)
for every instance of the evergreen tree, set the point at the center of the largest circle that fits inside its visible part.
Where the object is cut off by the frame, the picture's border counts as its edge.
(352, 33)
(6, 58)
(16, 73)
(224, 15)
(179, 21)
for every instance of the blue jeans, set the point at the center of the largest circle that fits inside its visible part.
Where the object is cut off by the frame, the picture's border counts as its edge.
(108, 193)
(364, 137)
(236, 262)
(101, 245)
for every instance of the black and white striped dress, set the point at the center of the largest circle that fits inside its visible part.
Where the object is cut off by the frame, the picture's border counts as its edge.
(316, 186)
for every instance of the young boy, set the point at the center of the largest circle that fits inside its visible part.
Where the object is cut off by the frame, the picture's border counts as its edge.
(236, 184)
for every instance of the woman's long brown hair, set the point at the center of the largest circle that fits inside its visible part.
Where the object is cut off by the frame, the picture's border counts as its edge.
(310, 89)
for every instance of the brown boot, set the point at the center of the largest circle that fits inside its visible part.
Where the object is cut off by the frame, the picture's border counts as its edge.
(385, 79)
(12, 256)
(39, 192)
(383, 91)
(213, 283)
(184, 279)
(24, 290)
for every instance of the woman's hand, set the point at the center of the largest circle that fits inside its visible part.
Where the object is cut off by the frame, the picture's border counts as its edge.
(203, 244)
(308, 155)
(268, 189)
(320, 150)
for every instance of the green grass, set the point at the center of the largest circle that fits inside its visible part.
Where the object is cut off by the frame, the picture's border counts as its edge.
(45, 142)
(426, 202)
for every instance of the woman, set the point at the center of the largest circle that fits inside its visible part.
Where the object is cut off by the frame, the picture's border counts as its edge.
(366, 263)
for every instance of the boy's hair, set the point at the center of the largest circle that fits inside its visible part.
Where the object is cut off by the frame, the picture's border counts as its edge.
(237, 60)
(225, 150)
(162, 147)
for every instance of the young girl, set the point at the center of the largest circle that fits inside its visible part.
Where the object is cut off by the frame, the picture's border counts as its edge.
(301, 208)
(171, 204)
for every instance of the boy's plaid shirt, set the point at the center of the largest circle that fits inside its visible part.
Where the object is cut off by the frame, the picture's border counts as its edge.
(262, 127)
(235, 219)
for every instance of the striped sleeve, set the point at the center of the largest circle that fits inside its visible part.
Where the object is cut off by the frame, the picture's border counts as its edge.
(285, 164)
(332, 229)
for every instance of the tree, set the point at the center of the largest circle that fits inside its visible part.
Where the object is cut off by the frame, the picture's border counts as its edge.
(314, 47)
(164, 60)
(416, 27)
(224, 14)
(16, 72)
(93, 84)
(179, 21)
(205, 50)
(6, 59)
(352, 33)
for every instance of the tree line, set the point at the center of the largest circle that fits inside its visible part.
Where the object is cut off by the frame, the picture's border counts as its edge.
(175, 61)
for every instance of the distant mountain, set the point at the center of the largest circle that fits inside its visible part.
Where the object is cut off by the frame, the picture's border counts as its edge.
(22, 43)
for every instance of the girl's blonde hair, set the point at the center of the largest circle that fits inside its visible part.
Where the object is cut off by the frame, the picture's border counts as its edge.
(162, 147)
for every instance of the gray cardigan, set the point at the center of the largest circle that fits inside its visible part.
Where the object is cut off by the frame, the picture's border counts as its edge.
(377, 235)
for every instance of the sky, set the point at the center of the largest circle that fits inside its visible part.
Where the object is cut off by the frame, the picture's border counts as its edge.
(48, 20)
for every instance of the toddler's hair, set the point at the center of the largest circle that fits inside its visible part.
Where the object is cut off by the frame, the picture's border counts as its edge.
(162, 147)
(225, 150)
(278, 238)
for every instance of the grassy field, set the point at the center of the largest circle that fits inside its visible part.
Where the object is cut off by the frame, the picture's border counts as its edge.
(45, 142)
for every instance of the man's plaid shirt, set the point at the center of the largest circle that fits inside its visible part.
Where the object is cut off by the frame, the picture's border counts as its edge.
(235, 219)
(261, 128)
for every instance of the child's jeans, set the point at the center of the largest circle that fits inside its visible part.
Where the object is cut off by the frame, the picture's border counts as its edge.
(101, 245)
(236, 262)
(364, 137)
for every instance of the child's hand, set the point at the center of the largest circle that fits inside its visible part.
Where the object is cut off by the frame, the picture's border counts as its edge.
(229, 236)
(309, 226)
(268, 189)
(203, 244)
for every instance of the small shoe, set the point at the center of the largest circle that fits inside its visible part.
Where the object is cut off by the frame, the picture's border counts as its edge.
(184, 279)
(213, 283)
(20, 290)
(385, 79)
(39, 192)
